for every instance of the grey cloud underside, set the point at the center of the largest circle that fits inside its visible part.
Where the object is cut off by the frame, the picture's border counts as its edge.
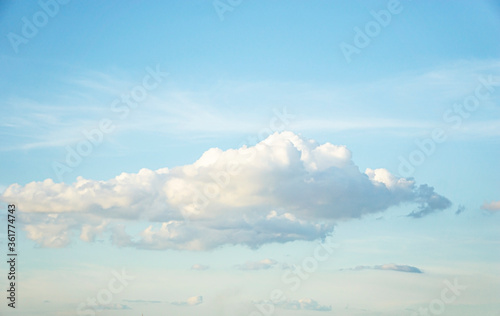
(429, 202)
(460, 210)
(285, 188)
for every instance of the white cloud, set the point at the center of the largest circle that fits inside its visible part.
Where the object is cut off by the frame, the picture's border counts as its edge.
(257, 265)
(49, 235)
(285, 188)
(492, 206)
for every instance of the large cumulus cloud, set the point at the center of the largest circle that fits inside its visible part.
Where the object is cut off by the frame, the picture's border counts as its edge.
(284, 188)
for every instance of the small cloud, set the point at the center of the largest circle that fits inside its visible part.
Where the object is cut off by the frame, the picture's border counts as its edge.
(286, 266)
(257, 265)
(391, 267)
(113, 307)
(460, 209)
(192, 301)
(492, 206)
(199, 267)
(397, 267)
(301, 304)
(306, 304)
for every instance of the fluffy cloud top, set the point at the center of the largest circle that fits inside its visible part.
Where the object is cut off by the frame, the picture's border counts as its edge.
(284, 188)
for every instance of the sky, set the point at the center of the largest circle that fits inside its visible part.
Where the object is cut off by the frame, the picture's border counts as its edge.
(236, 157)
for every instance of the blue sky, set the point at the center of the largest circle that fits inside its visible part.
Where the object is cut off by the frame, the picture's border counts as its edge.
(206, 148)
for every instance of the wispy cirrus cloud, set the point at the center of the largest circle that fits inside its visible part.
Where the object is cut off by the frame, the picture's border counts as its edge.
(172, 109)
